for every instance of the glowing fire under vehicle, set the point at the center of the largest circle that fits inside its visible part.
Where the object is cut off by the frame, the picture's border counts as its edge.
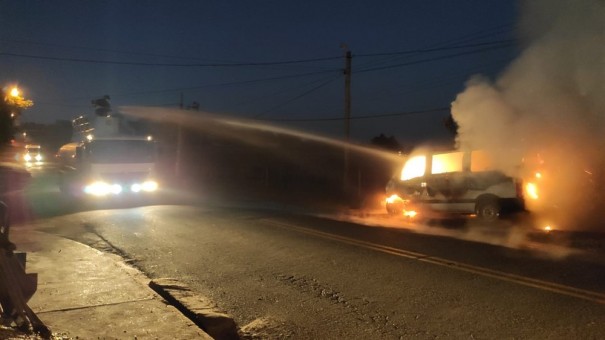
(460, 182)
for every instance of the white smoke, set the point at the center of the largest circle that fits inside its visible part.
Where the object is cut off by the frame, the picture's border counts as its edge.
(550, 101)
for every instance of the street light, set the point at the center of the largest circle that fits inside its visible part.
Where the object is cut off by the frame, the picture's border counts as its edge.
(15, 92)
(13, 97)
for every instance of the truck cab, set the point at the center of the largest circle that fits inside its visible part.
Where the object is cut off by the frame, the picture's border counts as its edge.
(109, 166)
(105, 163)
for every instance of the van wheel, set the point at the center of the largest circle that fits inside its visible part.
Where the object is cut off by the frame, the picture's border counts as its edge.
(488, 210)
(394, 209)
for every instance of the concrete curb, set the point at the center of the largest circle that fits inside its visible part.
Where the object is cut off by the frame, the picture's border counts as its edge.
(197, 308)
(88, 294)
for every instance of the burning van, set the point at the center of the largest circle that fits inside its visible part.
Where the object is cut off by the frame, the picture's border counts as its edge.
(457, 182)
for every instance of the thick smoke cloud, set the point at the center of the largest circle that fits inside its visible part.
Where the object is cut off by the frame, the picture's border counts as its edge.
(547, 109)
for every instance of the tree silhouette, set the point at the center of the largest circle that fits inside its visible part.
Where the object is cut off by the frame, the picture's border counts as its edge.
(6, 122)
(387, 143)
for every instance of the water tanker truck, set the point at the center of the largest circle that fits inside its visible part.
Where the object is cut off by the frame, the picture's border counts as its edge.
(104, 162)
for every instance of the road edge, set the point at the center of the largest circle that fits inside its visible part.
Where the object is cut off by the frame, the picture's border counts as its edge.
(197, 308)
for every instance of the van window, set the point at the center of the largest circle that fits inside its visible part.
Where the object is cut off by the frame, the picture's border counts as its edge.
(447, 162)
(414, 167)
(481, 161)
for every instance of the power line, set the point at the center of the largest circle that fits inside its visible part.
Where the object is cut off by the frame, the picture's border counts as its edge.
(242, 82)
(489, 32)
(430, 83)
(132, 63)
(297, 75)
(326, 119)
(230, 64)
(97, 49)
(281, 91)
(298, 96)
(436, 49)
(448, 56)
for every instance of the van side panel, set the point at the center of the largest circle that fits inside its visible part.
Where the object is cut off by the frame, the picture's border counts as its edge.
(453, 187)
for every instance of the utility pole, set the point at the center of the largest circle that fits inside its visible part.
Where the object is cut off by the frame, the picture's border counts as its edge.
(179, 143)
(347, 113)
(347, 73)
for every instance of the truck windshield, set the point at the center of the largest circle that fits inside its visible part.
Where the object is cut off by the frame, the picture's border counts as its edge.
(121, 151)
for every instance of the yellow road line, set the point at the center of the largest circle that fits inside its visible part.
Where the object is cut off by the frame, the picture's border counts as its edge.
(526, 281)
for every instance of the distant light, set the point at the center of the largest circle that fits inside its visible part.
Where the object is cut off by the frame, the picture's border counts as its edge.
(15, 92)
(548, 229)
(538, 175)
(149, 138)
(89, 137)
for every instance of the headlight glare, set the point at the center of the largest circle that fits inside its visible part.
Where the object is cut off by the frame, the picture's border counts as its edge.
(98, 188)
(116, 189)
(150, 186)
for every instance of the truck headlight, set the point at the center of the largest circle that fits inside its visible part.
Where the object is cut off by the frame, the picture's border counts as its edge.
(149, 186)
(116, 189)
(98, 188)
(27, 157)
(38, 158)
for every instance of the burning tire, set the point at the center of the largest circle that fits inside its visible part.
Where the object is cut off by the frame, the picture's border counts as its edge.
(488, 209)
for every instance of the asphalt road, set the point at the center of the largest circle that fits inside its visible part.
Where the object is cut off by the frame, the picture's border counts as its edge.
(283, 275)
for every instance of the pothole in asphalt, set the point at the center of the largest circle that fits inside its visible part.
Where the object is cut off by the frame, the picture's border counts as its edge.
(266, 328)
(311, 285)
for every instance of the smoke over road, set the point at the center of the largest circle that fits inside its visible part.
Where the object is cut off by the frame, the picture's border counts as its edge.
(547, 109)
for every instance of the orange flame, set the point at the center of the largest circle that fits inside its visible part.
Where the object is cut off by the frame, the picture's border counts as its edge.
(532, 190)
(409, 213)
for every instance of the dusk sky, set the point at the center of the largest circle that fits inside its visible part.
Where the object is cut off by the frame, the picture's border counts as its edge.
(279, 61)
